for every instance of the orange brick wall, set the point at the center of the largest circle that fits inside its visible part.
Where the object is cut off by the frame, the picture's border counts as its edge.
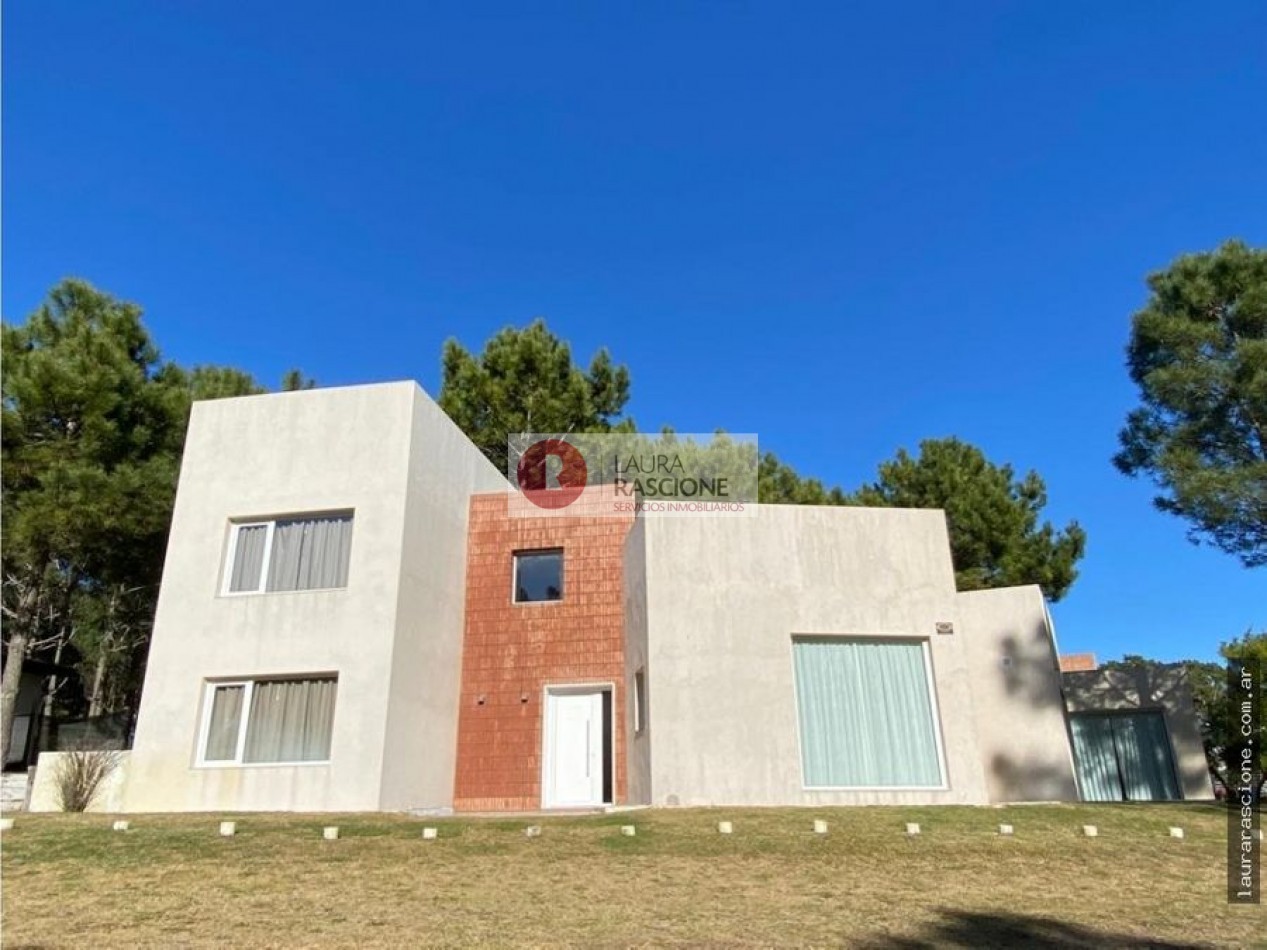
(511, 651)
(1078, 663)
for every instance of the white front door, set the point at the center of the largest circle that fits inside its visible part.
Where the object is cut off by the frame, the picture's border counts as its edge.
(574, 742)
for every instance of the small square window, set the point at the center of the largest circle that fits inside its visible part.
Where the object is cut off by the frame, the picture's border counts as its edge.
(538, 576)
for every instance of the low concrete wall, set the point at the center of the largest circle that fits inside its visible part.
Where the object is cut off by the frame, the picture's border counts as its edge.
(1163, 689)
(45, 795)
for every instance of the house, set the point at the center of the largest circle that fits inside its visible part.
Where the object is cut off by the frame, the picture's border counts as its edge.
(354, 617)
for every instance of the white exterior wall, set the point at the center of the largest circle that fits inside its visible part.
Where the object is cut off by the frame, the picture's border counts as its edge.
(724, 599)
(359, 448)
(1016, 691)
(422, 715)
(637, 744)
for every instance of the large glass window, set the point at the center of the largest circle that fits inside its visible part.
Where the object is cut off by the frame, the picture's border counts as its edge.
(302, 553)
(258, 721)
(1123, 756)
(538, 576)
(866, 714)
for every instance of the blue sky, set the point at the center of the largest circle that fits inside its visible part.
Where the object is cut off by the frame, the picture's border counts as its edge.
(845, 227)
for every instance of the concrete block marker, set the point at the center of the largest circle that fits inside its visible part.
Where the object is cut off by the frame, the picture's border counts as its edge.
(1176, 832)
(1090, 831)
(1006, 830)
(330, 832)
(725, 828)
(429, 834)
(628, 830)
(533, 831)
(228, 829)
(820, 827)
(6, 824)
(912, 828)
(120, 826)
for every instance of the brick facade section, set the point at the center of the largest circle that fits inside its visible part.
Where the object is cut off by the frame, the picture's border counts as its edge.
(512, 651)
(1078, 663)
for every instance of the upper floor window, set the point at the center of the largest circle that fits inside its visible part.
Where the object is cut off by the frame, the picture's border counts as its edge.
(538, 576)
(308, 552)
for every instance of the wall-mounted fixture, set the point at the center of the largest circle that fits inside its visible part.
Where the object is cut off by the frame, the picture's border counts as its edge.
(944, 627)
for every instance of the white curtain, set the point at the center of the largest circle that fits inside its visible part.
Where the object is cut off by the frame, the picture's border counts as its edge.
(866, 718)
(226, 717)
(248, 559)
(310, 553)
(290, 721)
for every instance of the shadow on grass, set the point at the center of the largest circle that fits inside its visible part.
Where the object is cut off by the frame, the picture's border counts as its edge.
(961, 928)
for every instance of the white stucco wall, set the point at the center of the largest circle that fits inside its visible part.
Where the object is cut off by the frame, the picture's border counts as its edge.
(421, 738)
(276, 455)
(724, 599)
(637, 744)
(1016, 692)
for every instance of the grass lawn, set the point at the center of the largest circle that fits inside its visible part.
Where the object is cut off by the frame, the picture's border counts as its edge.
(68, 880)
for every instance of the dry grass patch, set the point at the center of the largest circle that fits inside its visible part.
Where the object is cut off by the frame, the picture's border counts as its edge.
(172, 881)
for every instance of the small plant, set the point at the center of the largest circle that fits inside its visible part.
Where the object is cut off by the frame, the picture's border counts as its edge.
(80, 773)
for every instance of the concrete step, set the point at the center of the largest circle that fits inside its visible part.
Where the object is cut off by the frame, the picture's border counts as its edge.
(13, 791)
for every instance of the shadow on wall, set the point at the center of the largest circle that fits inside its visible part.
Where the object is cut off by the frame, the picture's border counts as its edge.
(961, 928)
(1029, 666)
(1145, 687)
(1042, 781)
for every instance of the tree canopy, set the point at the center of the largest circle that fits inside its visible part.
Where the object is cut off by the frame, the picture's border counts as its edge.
(996, 539)
(93, 429)
(526, 381)
(1198, 353)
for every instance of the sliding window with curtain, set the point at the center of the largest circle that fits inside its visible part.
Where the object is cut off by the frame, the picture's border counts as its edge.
(277, 721)
(290, 554)
(1123, 756)
(866, 714)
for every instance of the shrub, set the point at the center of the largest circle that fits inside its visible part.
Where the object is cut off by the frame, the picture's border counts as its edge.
(80, 773)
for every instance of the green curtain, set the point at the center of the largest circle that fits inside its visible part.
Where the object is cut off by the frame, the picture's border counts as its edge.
(1098, 776)
(866, 719)
(1148, 774)
(1123, 756)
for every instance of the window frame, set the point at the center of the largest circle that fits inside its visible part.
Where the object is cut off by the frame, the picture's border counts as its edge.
(270, 524)
(933, 707)
(639, 701)
(537, 552)
(248, 683)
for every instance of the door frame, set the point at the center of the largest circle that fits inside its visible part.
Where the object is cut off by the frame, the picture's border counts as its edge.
(547, 732)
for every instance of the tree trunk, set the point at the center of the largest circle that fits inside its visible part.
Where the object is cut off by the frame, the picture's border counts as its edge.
(10, 683)
(95, 704)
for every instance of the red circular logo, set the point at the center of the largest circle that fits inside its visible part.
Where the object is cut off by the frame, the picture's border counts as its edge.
(531, 473)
